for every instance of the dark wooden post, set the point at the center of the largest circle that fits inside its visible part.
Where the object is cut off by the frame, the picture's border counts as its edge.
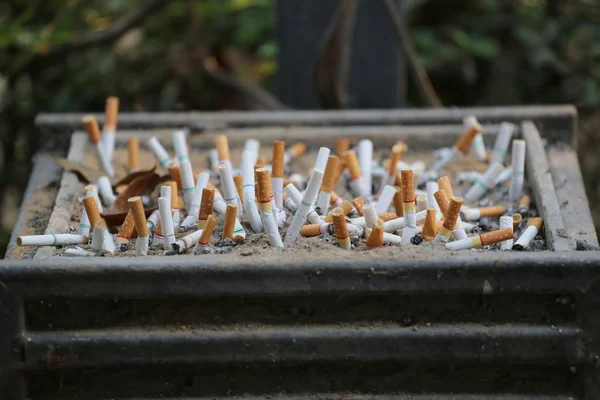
(376, 66)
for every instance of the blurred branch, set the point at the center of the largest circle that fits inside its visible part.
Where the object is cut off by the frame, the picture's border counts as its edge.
(419, 73)
(92, 39)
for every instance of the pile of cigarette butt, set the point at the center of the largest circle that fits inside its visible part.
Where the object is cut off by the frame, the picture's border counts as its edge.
(392, 203)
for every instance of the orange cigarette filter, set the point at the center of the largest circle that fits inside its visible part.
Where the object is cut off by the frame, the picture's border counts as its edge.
(342, 145)
(92, 211)
(133, 153)
(139, 218)
(339, 223)
(430, 228)
(238, 180)
(346, 207)
(525, 202)
(175, 173)
(229, 226)
(443, 201)
(222, 145)
(375, 239)
(452, 214)
(110, 114)
(387, 216)
(465, 141)
(297, 149)
(496, 236)
(359, 203)
(398, 202)
(445, 185)
(127, 228)
(517, 218)
(260, 162)
(175, 201)
(492, 211)
(206, 206)
(263, 183)
(537, 222)
(91, 127)
(277, 165)
(397, 152)
(352, 164)
(311, 230)
(208, 230)
(329, 174)
(334, 198)
(408, 185)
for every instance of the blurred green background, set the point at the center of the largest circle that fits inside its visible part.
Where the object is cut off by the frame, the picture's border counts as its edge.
(477, 52)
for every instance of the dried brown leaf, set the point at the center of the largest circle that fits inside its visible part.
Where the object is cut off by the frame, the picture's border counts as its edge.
(139, 186)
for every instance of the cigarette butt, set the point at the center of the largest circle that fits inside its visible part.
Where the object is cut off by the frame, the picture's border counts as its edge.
(133, 154)
(465, 141)
(334, 199)
(222, 145)
(352, 164)
(91, 127)
(537, 222)
(375, 239)
(387, 216)
(340, 227)
(445, 185)
(408, 185)
(127, 227)
(139, 218)
(175, 173)
(491, 211)
(174, 195)
(525, 202)
(277, 164)
(206, 206)
(398, 202)
(443, 201)
(496, 236)
(517, 218)
(359, 203)
(110, 114)
(264, 185)
(313, 229)
(346, 207)
(452, 212)
(296, 150)
(207, 231)
(330, 174)
(260, 162)
(92, 211)
(430, 228)
(397, 151)
(230, 217)
(342, 146)
(238, 180)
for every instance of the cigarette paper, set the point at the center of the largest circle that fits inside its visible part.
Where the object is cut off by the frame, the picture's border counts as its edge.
(228, 186)
(370, 216)
(524, 204)
(106, 191)
(335, 199)
(314, 229)
(91, 210)
(277, 172)
(327, 186)
(98, 236)
(133, 155)
(265, 197)
(503, 176)
(376, 237)
(518, 168)
(152, 226)
(207, 232)
(206, 206)
(517, 218)
(194, 207)
(365, 160)
(484, 239)
(398, 203)
(468, 176)
(451, 217)
(341, 230)
(253, 146)
(386, 198)
(127, 228)
(249, 191)
(477, 146)
(397, 224)
(222, 145)
(187, 182)
(431, 188)
(175, 201)
(473, 214)
(166, 221)
(289, 203)
(305, 206)
(180, 145)
(533, 227)
(345, 206)
(358, 204)
(78, 252)
(422, 203)
(51, 239)
(187, 241)
(482, 186)
(159, 152)
(502, 141)
(110, 126)
(295, 151)
(213, 159)
(175, 173)
(84, 221)
(219, 204)
(322, 158)
(506, 222)
(357, 183)
(229, 225)
(93, 131)
(430, 229)
(296, 197)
